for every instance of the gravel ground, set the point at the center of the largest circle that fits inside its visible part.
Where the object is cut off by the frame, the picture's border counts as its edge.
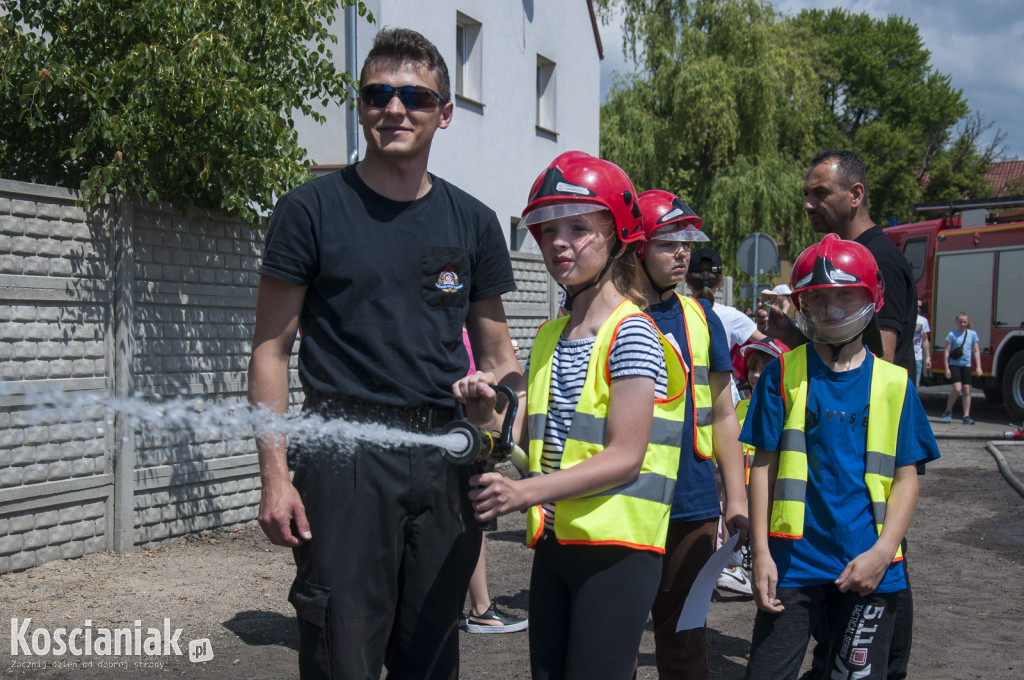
(966, 555)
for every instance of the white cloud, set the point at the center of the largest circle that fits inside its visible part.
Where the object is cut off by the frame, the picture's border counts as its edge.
(979, 44)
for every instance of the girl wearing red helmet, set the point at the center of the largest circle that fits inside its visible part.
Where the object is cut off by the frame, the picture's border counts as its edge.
(598, 384)
(711, 426)
(838, 433)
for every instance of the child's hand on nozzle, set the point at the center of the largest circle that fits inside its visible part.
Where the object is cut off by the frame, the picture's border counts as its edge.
(494, 495)
(478, 397)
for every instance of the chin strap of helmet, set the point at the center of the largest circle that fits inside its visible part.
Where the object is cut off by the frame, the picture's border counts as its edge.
(838, 347)
(569, 297)
(660, 290)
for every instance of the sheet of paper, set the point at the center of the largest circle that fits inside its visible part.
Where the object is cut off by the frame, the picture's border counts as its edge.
(695, 609)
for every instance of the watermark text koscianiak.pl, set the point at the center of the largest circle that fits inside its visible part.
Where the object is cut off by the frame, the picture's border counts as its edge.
(89, 641)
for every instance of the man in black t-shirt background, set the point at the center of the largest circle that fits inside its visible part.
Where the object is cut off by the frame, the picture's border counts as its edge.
(836, 201)
(380, 264)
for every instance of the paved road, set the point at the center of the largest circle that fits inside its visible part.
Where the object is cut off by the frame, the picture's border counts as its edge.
(992, 419)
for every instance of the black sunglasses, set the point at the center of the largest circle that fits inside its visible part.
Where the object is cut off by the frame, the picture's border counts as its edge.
(411, 96)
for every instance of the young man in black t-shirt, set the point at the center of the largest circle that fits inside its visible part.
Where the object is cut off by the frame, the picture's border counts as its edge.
(380, 264)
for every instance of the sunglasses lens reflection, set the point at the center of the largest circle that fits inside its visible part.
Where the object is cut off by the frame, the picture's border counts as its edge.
(411, 96)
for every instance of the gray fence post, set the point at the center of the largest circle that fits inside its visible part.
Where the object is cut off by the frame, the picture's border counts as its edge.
(122, 216)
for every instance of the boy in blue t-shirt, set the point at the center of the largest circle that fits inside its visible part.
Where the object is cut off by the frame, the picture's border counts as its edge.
(833, 485)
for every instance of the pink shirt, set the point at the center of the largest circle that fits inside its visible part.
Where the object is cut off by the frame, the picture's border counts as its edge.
(469, 351)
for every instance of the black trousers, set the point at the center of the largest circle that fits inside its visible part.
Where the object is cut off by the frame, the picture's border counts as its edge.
(902, 634)
(381, 581)
(860, 631)
(588, 607)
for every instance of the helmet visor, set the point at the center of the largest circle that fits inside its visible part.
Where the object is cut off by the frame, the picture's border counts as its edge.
(767, 346)
(554, 211)
(833, 324)
(679, 231)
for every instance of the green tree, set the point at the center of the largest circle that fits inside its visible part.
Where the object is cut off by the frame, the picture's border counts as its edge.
(723, 113)
(958, 170)
(188, 101)
(883, 99)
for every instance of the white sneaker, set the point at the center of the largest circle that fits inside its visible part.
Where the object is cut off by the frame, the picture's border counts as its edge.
(736, 580)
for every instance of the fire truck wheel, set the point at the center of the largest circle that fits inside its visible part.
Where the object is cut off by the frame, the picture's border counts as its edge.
(1013, 387)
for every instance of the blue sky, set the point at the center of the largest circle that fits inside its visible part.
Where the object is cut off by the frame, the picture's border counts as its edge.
(979, 43)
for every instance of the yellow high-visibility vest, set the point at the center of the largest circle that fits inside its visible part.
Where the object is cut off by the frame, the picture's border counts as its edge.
(748, 451)
(888, 389)
(698, 341)
(636, 514)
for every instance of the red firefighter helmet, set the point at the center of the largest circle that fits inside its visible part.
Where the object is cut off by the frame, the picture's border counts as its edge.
(771, 347)
(576, 183)
(667, 218)
(834, 262)
(830, 264)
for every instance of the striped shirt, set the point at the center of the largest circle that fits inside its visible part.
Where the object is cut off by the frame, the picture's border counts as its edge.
(637, 351)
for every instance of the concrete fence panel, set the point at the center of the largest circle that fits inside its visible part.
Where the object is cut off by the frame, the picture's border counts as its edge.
(135, 301)
(56, 323)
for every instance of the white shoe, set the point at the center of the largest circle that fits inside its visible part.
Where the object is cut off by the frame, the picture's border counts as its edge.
(736, 580)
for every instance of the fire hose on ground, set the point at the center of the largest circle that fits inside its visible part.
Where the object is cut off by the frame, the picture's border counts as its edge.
(1004, 469)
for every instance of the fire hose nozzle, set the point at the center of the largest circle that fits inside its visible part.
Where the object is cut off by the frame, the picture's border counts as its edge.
(477, 445)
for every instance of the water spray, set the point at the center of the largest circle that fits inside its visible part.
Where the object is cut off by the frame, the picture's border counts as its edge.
(460, 442)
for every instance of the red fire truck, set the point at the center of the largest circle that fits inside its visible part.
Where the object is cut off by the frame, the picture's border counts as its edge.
(971, 261)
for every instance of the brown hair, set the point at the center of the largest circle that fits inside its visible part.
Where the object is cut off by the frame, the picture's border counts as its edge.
(757, 357)
(703, 284)
(628, 276)
(394, 47)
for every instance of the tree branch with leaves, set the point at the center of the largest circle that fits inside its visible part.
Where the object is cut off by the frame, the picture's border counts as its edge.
(190, 102)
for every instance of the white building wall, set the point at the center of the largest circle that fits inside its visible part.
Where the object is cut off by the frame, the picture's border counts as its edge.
(493, 148)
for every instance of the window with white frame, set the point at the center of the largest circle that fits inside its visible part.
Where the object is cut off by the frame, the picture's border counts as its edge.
(545, 94)
(469, 62)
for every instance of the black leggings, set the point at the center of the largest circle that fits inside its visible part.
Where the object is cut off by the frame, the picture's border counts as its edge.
(588, 607)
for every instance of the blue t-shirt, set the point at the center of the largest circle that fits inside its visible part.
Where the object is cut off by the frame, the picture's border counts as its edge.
(838, 523)
(696, 494)
(954, 339)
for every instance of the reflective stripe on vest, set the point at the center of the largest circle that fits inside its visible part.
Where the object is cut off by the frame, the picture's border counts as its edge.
(633, 514)
(748, 451)
(887, 393)
(698, 342)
